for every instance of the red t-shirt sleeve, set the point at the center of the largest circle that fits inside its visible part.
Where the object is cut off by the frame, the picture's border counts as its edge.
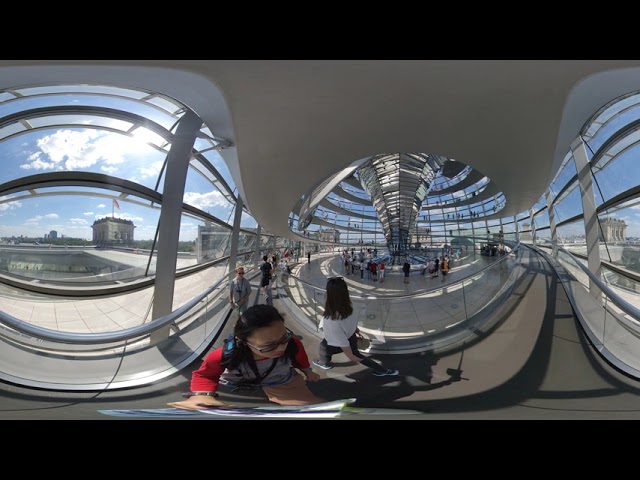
(205, 378)
(300, 360)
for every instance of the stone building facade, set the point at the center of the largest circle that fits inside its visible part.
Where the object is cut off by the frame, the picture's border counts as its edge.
(613, 230)
(112, 231)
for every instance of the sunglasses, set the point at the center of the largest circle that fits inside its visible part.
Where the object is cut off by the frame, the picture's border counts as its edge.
(240, 273)
(273, 346)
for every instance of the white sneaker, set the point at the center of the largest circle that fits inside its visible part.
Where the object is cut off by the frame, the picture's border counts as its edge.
(388, 373)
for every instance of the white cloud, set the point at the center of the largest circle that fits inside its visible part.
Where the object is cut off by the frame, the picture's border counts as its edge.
(36, 220)
(88, 214)
(144, 232)
(205, 200)
(79, 221)
(109, 169)
(188, 232)
(71, 150)
(151, 170)
(247, 220)
(9, 205)
(123, 216)
(37, 164)
(101, 205)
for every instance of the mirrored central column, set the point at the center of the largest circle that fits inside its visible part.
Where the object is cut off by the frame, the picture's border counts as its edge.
(398, 184)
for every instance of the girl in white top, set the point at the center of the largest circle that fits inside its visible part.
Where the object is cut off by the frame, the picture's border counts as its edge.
(340, 327)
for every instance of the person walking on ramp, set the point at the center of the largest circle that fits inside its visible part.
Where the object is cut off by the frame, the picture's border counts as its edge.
(340, 330)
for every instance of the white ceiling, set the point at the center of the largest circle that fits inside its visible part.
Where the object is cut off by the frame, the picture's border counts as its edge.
(295, 122)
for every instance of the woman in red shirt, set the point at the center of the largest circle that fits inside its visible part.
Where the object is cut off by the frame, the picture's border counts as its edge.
(262, 353)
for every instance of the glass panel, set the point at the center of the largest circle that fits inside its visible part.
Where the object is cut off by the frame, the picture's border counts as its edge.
(465, 230)
(543, 237)
(81, 149)
(524, 231)
(5, 96)
(494, 229)
(212, 241)
(41, 361)
(569, 205)
(439, 313)
(481, 288)
(608, 111)
(612, 125)
(248, 222)
(199, 192)
(171, 106)
(246, 241)
(219, 164)
(79, 121)
(619, 234)
(11, 130)
(87, 89)
(572, 236)
(540, 204)
(626, 287)
(541, 219)
(114, 365)
(591, 311)
(566, 173)
(72, 236)
(508, 227)
(148, 111)
(622, 334)
(619, 175)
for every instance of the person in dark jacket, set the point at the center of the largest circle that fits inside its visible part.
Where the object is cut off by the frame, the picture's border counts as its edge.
(406, 269)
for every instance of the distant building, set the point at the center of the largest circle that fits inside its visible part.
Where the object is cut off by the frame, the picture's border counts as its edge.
(526, 237)
(112, 231)
(613, 230)
(214, 241)
(329, 235)
(53, 235)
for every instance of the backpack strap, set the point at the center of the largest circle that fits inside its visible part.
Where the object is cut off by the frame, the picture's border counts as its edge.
(228, 346)
(259, 377)
(229, 343)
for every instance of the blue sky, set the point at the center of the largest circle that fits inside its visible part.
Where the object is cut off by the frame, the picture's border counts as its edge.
(73, 144)
(98, 151)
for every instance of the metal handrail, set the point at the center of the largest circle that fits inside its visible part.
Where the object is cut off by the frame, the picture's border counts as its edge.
(106, 337)
(415, 294)
(615, 298)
